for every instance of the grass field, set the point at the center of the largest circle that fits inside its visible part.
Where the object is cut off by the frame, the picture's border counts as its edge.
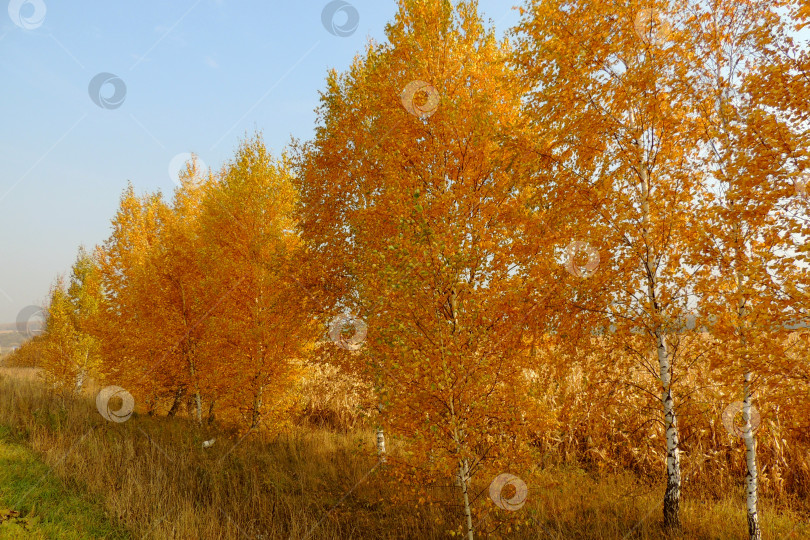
(35, 504)
(151, 477)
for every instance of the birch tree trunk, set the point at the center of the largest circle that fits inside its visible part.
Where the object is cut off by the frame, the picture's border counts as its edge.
(381, 444)
(381, 439)
(751, 461)
(463, 467)
(197, 398)
(198, 406)
(188, 350)
(79, 380)
(176, 405)
(672, 495)
(257, 406)
(463, 474)
(751, 476)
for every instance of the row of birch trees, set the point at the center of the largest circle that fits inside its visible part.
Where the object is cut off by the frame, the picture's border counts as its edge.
(587, 185)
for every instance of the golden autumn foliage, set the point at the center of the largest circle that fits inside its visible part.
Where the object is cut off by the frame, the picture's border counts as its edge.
(580, 243)
(415, 193)
(195, 302)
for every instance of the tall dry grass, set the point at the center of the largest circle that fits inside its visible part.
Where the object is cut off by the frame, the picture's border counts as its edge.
(159, 482)
(309, 482)
(602, 411)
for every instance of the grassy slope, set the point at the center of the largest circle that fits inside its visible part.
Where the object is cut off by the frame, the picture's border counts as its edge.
(46, 508)
(155, 478)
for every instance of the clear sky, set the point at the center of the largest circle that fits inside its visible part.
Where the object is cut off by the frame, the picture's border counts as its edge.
(192, 76)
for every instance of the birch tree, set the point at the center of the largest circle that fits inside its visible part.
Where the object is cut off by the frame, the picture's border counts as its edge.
(130, 334)
(756, 152)
(604, 77)
(414, 189)
(71, 345)
(259, 321)
(177, 309)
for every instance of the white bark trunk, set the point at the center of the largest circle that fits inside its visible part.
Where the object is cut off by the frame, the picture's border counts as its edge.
(81, 374)
(381, 444)
(751, 477)
(79, 380)
(197, 398)
(754, 532)
(672, 495)
(463, 473)
(464, 482)
(198, 405)
(751, 461)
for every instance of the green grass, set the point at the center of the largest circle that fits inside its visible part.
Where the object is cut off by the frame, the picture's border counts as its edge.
(45, 508)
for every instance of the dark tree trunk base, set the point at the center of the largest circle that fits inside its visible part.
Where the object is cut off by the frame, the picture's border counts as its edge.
(672, 509)
(176, 404)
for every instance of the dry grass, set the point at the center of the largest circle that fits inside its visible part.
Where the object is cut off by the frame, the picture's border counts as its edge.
(27, 374)
(158, 482)
(612, 423)
(157, 479)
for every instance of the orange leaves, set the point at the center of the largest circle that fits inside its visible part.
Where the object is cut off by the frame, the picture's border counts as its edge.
(652, 26)
(432, 233)
(687, 207)
(258, 327)
(454, 199)
(200, 297)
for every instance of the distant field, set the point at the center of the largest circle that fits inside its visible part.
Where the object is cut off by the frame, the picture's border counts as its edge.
(9, 339)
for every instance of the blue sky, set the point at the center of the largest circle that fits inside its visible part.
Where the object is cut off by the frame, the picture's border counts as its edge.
(198, 74)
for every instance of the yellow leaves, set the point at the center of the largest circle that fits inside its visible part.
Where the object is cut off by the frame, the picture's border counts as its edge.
(428, 202)
(651, 26)
(441, 168)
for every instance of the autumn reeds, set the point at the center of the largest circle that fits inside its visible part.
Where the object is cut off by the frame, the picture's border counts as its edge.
(158, 481)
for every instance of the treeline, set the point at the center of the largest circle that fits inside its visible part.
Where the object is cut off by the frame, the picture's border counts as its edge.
(518, 230)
